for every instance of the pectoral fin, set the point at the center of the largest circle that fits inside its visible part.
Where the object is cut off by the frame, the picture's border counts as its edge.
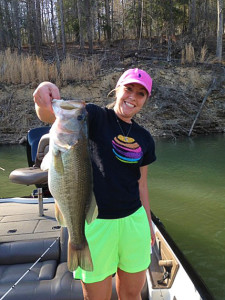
(59, 215)
(45, 164)
(92, 211)
(57, 161)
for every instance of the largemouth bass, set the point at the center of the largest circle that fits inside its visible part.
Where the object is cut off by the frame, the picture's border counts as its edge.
(70, 178)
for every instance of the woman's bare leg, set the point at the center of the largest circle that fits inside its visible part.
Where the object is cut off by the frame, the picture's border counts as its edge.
(129, 285)
(98, 290)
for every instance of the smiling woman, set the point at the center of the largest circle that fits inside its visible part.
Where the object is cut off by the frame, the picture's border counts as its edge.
(121, 151)
(132, 90)
(130, 100)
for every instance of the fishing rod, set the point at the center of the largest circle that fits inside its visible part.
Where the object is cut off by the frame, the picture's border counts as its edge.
(16, 283)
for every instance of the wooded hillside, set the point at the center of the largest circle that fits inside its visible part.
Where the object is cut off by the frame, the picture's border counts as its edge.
(84, 46)
(162, 27)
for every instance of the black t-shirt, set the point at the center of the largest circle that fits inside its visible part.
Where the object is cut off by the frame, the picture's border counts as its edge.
(116, 162)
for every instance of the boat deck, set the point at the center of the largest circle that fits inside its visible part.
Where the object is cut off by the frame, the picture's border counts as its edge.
(20, 220)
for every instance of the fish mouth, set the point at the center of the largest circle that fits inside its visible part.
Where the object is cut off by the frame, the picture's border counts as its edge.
(73, 105)
(69, 104)
(66, 130)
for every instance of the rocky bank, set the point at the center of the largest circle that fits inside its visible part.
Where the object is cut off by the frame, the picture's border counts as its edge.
(176, 99)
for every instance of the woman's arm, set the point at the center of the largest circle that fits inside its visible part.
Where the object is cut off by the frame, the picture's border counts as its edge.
(143, 188)
(43, 96)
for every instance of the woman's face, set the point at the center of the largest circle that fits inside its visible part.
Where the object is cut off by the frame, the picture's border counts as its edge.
(130, 98)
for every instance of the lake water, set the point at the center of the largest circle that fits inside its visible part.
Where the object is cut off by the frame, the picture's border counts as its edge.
(187, 192)
(12, 157)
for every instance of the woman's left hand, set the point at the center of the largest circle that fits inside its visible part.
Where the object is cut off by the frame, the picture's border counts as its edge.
(152, 237)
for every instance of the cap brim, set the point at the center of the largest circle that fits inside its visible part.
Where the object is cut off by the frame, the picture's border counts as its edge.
(135, 81)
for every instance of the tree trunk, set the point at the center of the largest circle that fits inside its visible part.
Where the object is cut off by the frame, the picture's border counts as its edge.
(81, 22)
(38, 23)
(30, 26)
(169, 47)
(219, 29)
(123, 28)
(139, 19)
(202, 104)
(89, 23)
(2, 29)
(150, 21)
(34, 27)
(107, 15)
(112, 19)
(62, 27)
(140, 24)
(8, 22)
(98, 21)
(55, 38)
(192, 16)
(17, 23)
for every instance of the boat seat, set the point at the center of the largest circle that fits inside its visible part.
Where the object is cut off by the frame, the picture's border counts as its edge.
(33, 137)
(48, 279)
(34, 175)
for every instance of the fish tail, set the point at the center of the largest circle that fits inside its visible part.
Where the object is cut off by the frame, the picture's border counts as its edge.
(79, 256)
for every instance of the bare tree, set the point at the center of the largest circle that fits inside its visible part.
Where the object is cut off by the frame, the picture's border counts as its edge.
(140, 24)
(170, 29)
(34, 30)
(8, 24)
(80, 9)
(2, 32)
(112, 19)
(38, 24)
(192, 16)
(31, 21)
(89, 23)
(62, 27)
(55, 37)
(219, 29)
(107, 17)
(16, 16)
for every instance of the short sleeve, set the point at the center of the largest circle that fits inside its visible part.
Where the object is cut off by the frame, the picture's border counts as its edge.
(149, 155)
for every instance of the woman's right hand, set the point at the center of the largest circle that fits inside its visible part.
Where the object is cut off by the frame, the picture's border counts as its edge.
(43, 96)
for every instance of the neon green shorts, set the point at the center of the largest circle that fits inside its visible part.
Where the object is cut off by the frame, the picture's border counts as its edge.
(117, 243)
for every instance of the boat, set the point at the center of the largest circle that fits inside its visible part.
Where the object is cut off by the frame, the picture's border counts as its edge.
(33, 247)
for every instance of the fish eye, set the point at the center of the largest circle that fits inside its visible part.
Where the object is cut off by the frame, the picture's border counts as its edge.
(80, 117)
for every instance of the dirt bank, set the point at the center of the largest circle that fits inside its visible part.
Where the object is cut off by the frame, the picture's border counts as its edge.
(176, 98)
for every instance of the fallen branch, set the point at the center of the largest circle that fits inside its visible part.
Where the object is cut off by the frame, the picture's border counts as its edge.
(201, 107)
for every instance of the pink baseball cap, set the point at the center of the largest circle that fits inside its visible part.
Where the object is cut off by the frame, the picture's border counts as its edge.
(136, 76)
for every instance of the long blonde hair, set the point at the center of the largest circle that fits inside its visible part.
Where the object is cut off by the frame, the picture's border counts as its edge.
(112, 104)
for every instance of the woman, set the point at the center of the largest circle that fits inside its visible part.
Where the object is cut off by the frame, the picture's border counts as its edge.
(120, 238)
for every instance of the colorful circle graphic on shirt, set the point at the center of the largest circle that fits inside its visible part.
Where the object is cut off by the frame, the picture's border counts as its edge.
(126, 149)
